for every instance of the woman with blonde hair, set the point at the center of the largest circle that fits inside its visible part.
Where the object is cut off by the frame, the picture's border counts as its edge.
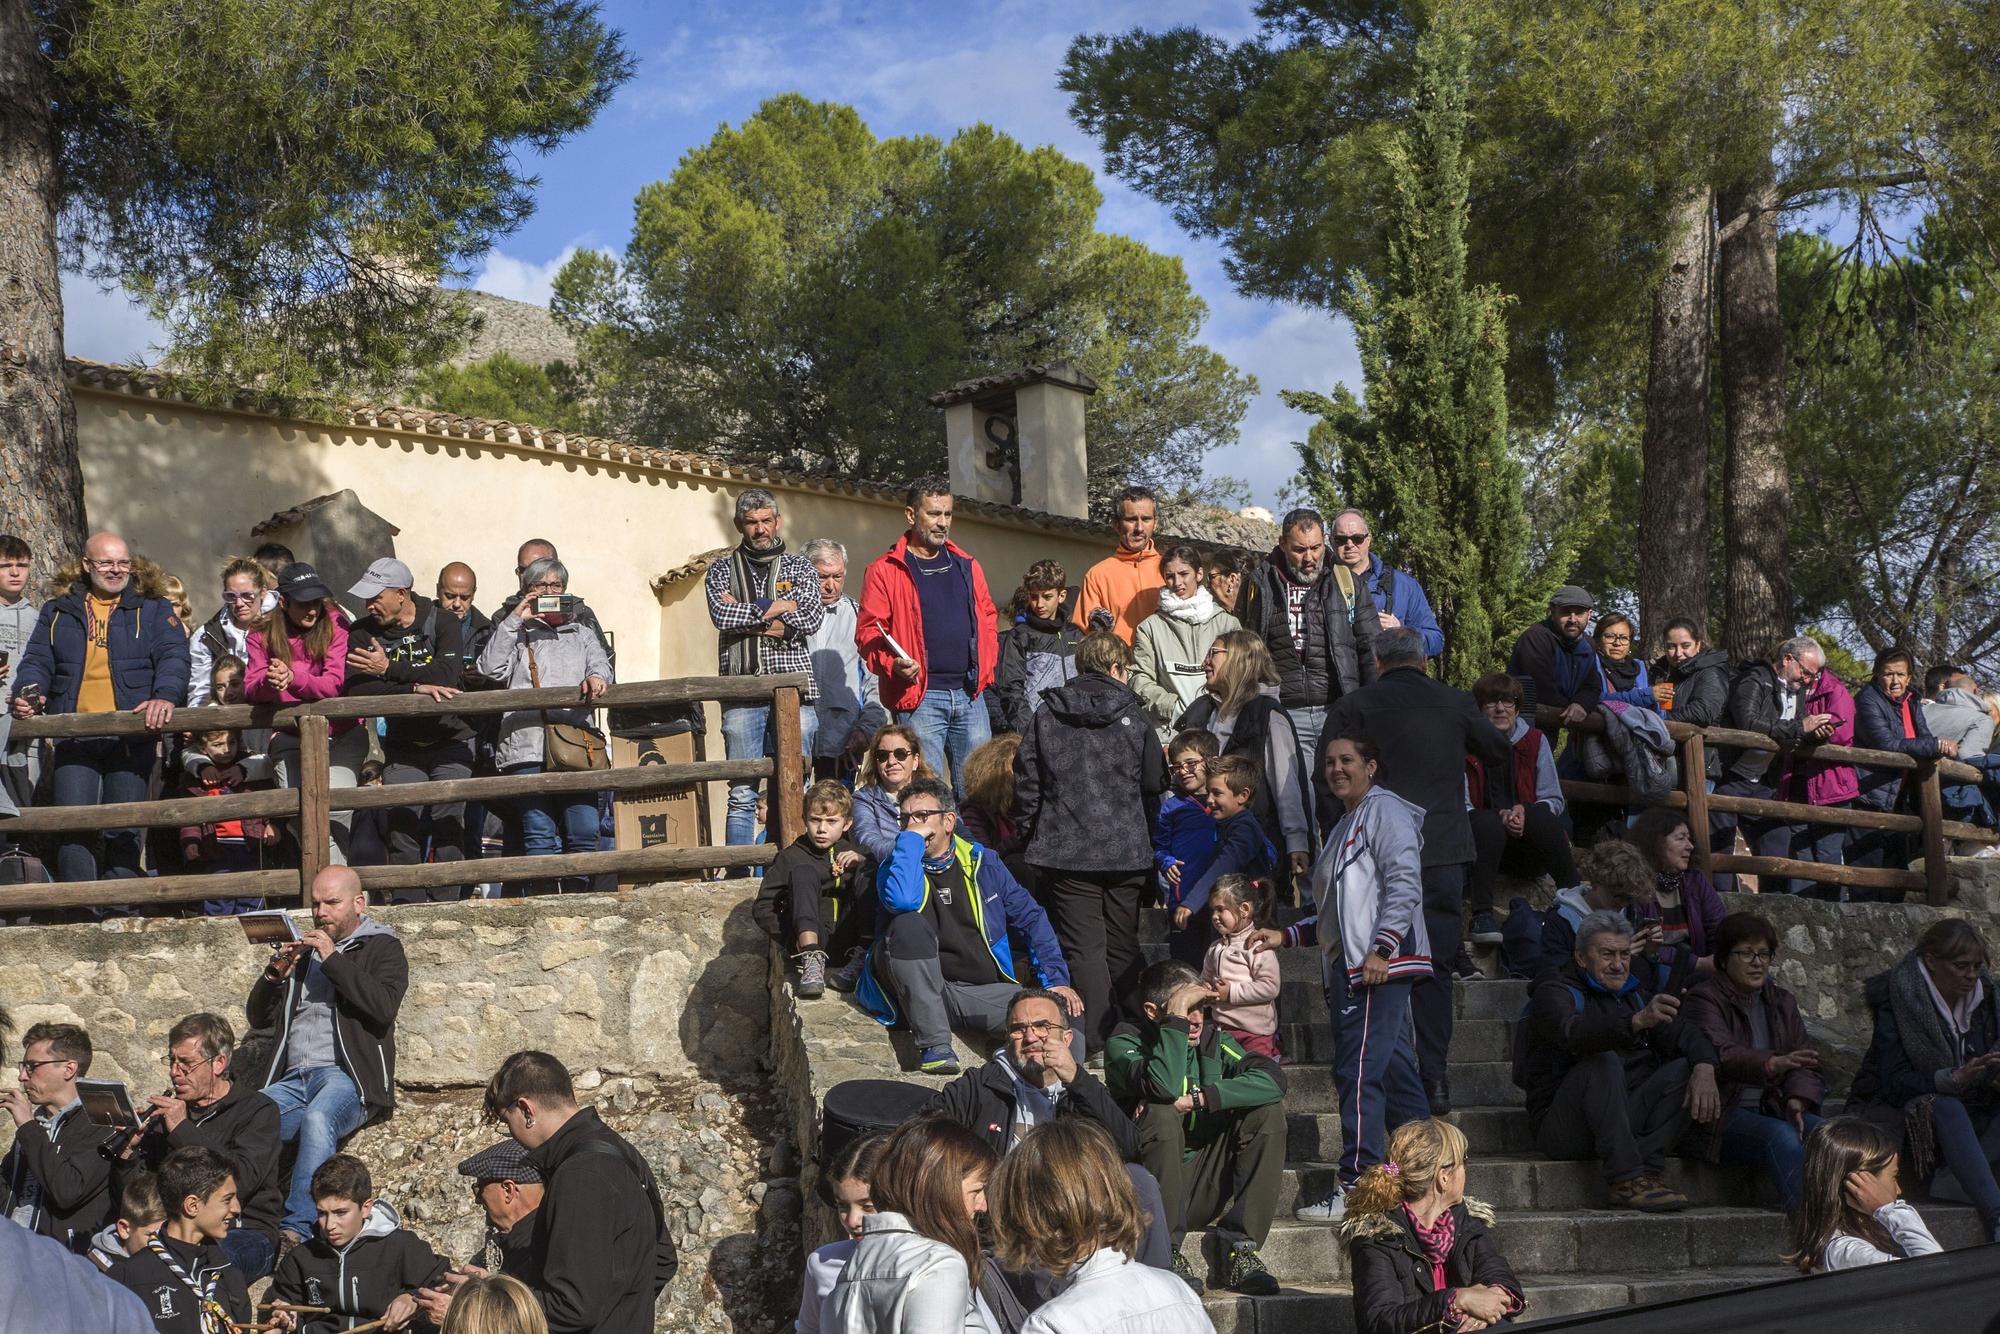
(1419, 1250)
(986, 812)
(1239, 706)
(1063, 1202)
(917, 1263)
(494, 1304)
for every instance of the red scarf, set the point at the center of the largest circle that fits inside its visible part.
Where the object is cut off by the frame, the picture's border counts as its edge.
(1437, 1241)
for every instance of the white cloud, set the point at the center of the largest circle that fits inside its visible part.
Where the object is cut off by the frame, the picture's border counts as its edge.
(521, 279)
(107, 326)
(1290, 347)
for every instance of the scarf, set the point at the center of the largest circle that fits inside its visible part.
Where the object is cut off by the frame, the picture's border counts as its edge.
(1932, 1040)
(1621, 674)
(750, 580)
(1437, 1241)
(1197, 610)
(214, 1316)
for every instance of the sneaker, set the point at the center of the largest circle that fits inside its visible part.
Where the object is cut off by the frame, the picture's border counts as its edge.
(1185, 1273)
(1648, 1194)
(848, 976)
(1484, 930)
(812, 975)
(1462, 966)
(1329, 1210)
(1247, 1274)
(937, 1061)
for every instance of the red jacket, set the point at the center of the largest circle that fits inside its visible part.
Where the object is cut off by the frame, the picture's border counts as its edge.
(889, 602)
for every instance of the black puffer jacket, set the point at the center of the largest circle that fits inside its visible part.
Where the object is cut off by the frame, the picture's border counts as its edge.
(1339, 656)
(1392, 1274)
(1088, 778)
(1755, 698)
(1701, 694)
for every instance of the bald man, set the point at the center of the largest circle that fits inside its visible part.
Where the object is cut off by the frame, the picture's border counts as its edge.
(111, 643)
(332, 995)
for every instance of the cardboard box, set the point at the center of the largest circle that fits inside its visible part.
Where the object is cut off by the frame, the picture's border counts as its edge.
(672, 817)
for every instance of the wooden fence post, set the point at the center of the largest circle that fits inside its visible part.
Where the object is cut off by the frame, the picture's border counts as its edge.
(315, 792)
(1937, 864)
(1694, 783)
(788, 778)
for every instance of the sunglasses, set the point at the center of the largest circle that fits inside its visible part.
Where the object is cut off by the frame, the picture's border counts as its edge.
(898, 756)
(1349, 539)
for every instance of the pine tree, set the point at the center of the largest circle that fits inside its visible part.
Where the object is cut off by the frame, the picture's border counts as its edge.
(1425, 455)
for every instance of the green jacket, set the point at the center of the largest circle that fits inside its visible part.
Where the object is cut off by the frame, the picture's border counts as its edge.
(1149, 1062)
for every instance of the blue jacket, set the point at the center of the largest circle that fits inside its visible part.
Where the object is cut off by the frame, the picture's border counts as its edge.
(1183, 832)
(877, 821)
(1564, 671)
(1878, 725)
(1406, 602)
(1240, 846)
(147, 642)
(1002, 909)
(1639, 696)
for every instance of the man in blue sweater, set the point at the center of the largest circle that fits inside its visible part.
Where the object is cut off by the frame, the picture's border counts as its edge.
(1399, 598)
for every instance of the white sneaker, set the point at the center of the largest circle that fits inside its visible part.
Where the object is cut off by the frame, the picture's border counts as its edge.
(1329, 1210)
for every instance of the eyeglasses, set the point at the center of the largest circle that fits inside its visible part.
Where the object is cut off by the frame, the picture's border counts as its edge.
(176, 1063)
(911, 817)
(1754, 956)
(896, 756)
(1187, 766)
(548, 586)
(1349, 539)
(110, 566)
(1617, 639)
(29, 1067)
(1040, 1028)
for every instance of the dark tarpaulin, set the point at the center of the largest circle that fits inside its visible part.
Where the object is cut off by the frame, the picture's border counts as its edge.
(1957, 1292)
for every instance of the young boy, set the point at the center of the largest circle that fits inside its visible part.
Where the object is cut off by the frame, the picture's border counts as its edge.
(188, 1285)
(140, 1215)
(18, 614)
(1040, 651)
(1212, 1128)
(216, 847)
(1241, 847)
(1184, 830)
(359, 1261)
(814, 884)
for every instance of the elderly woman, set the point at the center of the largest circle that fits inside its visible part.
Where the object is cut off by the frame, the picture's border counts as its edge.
(541, 644)
(1933, 1066)
(1770, 1080)
(1818, 782)
(1888, 715)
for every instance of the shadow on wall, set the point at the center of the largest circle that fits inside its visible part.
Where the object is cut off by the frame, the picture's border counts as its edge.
(725, 1022)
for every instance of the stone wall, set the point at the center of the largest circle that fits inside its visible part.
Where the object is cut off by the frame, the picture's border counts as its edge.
(657, 999)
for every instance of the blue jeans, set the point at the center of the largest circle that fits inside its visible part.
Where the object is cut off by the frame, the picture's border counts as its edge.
(1374, 1067)
(551, 825)
(319, 1108)
(100, 771)
(1965, 1146)
(250, 1251)
(1751, 1139)
(950, 725)
(747, 733)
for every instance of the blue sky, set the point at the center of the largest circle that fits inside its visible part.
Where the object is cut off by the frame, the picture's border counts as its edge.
(909, 68)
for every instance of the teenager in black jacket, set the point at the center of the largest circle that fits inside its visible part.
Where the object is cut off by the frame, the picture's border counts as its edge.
(54, 1170)
(360, 1261)
(1420, 1252)
(186, 1282)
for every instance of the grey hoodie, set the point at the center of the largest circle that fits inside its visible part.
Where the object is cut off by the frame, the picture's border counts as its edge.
(17, 623)
(1958, 715)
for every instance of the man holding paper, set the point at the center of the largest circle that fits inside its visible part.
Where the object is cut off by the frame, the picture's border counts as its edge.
(53, 1181)
(929, 631)
(332, 996)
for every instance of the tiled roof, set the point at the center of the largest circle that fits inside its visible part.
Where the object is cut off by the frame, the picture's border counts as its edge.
(141, 382)
(1057, 372)
(693, 568)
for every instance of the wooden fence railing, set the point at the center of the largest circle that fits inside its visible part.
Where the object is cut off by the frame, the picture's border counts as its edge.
(1694, 797)
(313, 802)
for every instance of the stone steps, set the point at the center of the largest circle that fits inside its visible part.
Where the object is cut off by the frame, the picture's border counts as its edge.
(1528, 1183)
(1314, 1137)
(1311, 1041)
(1309, 1087)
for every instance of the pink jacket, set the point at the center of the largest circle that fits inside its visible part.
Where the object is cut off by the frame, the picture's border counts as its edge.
(1820, 782)
(310, 680)
(1253, 983)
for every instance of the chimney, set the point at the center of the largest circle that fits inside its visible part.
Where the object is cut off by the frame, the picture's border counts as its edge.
(1017, 439)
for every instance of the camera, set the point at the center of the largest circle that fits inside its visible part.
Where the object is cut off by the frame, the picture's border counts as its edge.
(547, 603)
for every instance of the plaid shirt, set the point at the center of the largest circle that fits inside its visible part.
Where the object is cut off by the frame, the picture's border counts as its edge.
(797, 580)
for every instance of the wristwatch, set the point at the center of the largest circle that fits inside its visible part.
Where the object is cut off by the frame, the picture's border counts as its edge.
(1384, 953)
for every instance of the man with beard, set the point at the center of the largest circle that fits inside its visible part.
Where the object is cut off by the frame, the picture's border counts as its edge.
(765, 604)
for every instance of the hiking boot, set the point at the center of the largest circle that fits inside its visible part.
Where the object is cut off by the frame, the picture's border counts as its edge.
(1483, 930)
(1246, 1272)
(1185, 1273)
(937, 1061)
(1329, 1210)
(812, 975)
(1648, 1194)
(848, 976)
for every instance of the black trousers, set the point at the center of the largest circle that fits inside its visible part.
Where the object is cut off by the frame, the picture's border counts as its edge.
(1431, 999)
(1096, 917)
(1542, 847)
(445, 822)
(1600, 1112)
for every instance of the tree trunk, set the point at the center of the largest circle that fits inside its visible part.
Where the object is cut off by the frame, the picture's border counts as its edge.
(1757, 485)
(41, 486)
(1673, 492)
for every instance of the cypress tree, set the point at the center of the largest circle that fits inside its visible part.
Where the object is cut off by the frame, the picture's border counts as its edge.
(1424, 455)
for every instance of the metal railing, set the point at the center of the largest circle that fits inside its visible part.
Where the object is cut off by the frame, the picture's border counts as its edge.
(1693, 796)
(312, 803)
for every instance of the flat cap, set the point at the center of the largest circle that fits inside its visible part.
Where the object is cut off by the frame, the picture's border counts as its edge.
(1569, 595)
(505, 1161)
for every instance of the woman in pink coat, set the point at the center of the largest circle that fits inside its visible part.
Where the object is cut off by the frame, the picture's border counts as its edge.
(300, 654)
(1822, 783)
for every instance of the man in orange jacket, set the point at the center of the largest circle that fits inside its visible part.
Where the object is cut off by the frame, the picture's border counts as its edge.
(1126, 584)
(928, 630)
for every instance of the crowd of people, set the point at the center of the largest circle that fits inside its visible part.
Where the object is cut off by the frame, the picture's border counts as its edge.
(1255, 749)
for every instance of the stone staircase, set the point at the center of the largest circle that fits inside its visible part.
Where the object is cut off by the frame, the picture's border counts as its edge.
(1573, 1254)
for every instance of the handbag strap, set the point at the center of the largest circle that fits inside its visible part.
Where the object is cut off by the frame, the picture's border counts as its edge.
(534, 676)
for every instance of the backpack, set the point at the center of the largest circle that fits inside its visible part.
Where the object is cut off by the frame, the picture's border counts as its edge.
(1518, 1068)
